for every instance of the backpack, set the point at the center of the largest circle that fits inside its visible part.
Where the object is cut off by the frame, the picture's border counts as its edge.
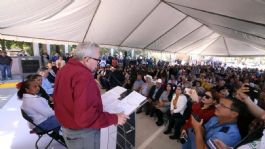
(187, 111)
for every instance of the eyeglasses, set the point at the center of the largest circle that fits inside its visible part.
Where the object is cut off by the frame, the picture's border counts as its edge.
(222, 105)
(207, 96)
(98, 60)
(94, 58)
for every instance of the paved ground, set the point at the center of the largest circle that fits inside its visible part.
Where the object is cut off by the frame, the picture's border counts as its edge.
(5, 95)
(7, 89)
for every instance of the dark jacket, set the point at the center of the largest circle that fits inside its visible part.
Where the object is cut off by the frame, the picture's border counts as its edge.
(158, 93)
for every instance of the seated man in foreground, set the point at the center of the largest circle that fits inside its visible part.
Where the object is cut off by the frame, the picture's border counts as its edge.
(223, 126)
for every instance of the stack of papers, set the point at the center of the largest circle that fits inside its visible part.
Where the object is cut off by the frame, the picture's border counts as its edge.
(127, 105)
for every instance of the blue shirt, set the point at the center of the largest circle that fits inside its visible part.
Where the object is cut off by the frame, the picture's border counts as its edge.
(47, 86)
(227, 133)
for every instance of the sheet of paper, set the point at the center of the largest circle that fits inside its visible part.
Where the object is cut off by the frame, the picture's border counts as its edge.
(109, 98)
(127, 108)
(118, 90)
(127, 105)
(114, 107)
(134, 98)
(112, 95)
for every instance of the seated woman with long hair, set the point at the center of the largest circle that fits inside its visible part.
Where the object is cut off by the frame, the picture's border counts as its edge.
(163, 104)
(204, 110)
(37, 107)
(177, 108)
(42, 92)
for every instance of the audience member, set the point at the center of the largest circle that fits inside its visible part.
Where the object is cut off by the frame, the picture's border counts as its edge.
(60, 62)
(138, 83)
(164, 104)
(223, 126)
(177, 108)
(153, 97)
(46, 84)
(42, 92)
(37, 107)
(203, 110)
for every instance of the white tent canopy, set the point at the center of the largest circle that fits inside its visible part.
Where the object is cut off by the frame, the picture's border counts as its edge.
(205, 27)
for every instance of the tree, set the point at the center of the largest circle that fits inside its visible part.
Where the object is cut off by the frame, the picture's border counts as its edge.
(3, 45)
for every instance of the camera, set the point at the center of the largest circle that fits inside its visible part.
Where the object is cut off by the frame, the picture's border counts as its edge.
(253, 92)
(183, 139)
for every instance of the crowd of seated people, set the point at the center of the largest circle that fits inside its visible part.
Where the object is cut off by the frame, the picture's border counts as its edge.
(221, 117)
(217, 115)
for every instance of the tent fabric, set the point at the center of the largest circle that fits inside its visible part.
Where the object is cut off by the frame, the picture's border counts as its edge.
(206, 27)
(13, 12)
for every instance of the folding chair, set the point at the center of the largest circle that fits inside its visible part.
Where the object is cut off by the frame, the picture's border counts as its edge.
(40, 132)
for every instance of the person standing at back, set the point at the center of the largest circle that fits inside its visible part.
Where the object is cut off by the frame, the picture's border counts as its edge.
(77, 100)
(5, 65)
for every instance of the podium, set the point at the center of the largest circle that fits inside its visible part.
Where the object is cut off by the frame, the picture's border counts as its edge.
(120, 100)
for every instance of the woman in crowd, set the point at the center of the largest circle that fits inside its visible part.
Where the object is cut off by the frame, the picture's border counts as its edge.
(60, 62)
(52, 71)
(203, 110)
(163, 104)
(177, 108)
(37, 107)
(42, 92)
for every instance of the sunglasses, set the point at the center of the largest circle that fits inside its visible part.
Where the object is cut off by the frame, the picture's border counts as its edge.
(207, 96)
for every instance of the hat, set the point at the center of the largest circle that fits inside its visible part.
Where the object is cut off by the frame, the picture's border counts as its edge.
(158, 81)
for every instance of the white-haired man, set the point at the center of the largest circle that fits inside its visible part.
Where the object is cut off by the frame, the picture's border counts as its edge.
(78, 104)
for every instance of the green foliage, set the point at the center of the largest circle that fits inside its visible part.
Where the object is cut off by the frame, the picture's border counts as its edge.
(104, 50)
(2, 42)
(11, 44)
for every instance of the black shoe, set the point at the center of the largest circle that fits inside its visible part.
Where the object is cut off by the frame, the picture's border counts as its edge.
(159, 123)
(173, 137)
(167, 132)
(151, 115)
(146, 113)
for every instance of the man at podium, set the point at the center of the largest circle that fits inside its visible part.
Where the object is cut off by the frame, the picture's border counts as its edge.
(77, 99)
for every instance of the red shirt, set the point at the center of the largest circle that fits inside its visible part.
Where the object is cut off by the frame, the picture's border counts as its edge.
(204, 114)
(77, 99)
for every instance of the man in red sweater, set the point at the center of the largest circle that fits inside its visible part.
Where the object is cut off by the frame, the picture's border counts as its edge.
(77, 100)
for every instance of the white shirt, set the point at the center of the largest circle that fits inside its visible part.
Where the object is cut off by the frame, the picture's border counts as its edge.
(36, 107)
(102, 63)
(181, 104)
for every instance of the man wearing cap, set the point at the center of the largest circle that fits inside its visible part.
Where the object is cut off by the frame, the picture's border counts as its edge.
(153, 97)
